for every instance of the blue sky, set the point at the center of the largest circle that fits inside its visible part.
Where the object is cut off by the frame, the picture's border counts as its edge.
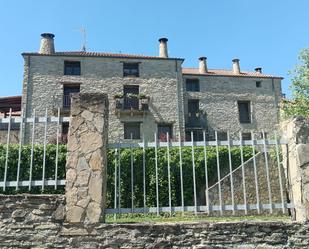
(264, 33)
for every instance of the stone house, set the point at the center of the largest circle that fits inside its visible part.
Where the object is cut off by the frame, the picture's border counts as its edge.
(152, 94)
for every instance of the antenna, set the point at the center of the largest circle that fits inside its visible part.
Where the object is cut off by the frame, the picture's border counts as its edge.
(83, 31)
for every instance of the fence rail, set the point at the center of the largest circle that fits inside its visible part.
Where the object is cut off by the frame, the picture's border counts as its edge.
(260, 148)
(31, 124)
(177, 169)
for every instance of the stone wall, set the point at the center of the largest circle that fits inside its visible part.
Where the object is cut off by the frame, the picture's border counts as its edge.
(14, 137)
(160, 79)
(218, 98)
(296, 163)
(36, 222)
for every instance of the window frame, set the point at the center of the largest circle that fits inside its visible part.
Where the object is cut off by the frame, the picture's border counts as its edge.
(189, 85)
(165, 125)
(66, 103)
(129, 73)
(248, 120)
(130, 125)
(72, 67)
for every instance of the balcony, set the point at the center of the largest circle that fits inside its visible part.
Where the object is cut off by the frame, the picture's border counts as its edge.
(196, 120)
(131, 105)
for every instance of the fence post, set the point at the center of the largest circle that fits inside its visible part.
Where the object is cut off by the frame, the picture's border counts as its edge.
(86, 158)
(296, 163)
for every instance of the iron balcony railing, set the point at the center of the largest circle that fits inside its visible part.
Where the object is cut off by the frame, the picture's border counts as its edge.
(195, 120)
(132, 103)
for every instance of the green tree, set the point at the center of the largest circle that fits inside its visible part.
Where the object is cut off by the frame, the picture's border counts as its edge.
(299, 104)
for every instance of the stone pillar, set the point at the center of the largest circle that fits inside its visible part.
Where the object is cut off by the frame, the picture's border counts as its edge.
(296, 163)
(86, 159)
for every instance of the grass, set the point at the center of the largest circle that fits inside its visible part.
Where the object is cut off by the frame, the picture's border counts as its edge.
(189, 217)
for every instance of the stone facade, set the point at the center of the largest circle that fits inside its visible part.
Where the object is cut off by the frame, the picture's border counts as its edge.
(37, 222)
(296, 163)
(162, 79)
(218, 97)
(86, 158)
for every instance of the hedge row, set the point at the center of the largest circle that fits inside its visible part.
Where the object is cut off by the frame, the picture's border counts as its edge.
(125, 171)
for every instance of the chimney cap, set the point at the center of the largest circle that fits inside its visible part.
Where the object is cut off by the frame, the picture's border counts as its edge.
(235, 60)
(202, 58)
(48, 35)
(258, 69)
(163, 39)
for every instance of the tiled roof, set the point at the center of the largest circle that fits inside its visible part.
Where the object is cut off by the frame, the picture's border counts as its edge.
(223, 72)
(100, 54)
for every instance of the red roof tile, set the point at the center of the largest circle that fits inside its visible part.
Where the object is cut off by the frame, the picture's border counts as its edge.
(100, 54)
(224, 72)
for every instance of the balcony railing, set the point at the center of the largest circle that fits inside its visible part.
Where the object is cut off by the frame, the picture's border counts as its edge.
(132, 104)
(196, 120)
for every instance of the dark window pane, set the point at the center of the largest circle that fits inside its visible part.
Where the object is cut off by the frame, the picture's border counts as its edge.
(72, 67)
(244, 111)
(163, 129)
(67, 90)
(222, 136)
(258, 84)
(192, 85)
(193, 105)
(197, 135)
(130, 69)
(130, 97)
(132, 130)
(246, 136)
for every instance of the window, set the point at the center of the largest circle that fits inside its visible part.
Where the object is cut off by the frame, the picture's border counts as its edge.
(132, 130)
(130, 93)
(197, 135)
(67, 90)
(130, 69)
(163, 129)
(72, 68)
(193, 106)
(192, 85)
(258, 84)
(246, 136)
(222, 136)
(244, 111)
(65, 128)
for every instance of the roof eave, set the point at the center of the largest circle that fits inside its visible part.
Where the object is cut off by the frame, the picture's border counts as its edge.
(101, 56)
(240, 76)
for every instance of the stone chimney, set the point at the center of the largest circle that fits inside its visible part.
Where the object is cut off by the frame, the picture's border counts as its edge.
(258, 70)
(47, 44)
(163, 48)
(236, 67)
(202, 65)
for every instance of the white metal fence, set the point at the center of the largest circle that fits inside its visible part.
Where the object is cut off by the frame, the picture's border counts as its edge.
(260, 148)
(264, 148)
(31, 124)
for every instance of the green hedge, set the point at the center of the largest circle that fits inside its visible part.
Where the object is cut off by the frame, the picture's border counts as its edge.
(125, 161)
(37, 166)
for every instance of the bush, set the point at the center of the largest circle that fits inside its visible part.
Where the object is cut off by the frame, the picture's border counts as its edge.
(37, 166)
(125, 162)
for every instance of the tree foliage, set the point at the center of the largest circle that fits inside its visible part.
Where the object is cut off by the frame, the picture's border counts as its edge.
(299, 104)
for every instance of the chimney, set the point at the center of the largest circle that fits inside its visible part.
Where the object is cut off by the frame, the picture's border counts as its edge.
(258, 70)
(47, 44)
(203, 65)
(163, 48)
(236, 67)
